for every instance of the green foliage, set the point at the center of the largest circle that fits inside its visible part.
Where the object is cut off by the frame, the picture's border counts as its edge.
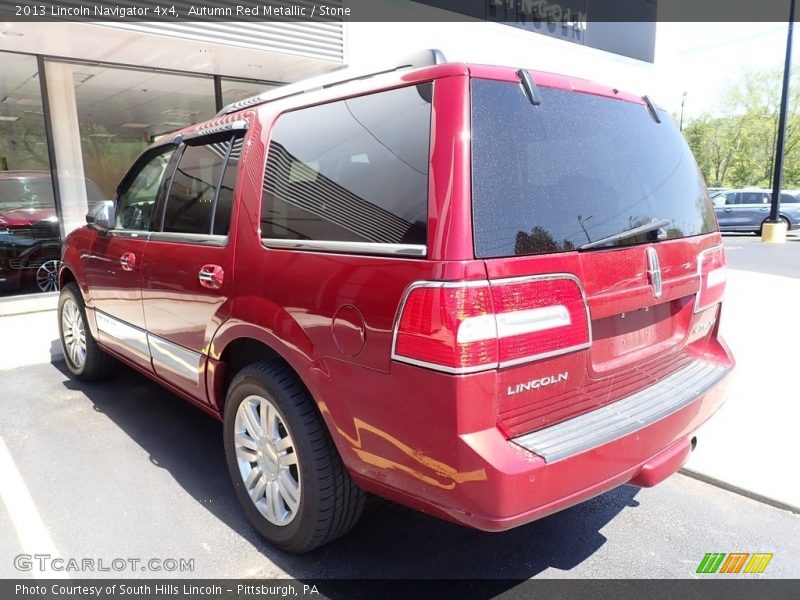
(736, 147)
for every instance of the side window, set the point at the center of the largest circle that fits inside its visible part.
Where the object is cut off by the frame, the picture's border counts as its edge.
(222, 215)
(136, 201)
(789, 199)
(753, 198)
(200, 195)
(730, 198)
(353, 170)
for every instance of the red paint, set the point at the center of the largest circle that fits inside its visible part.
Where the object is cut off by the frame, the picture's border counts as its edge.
(432, 440)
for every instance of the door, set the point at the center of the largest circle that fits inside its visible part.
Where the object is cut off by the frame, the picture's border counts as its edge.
(113, 265)
(188, 264)
(751, 209)
(725, 212)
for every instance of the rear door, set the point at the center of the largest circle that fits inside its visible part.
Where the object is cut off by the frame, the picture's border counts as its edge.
(751, 209)
(113, 266)
(562, 188)
(187, 271)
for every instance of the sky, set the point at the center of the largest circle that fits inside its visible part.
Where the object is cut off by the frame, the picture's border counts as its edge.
(700, 58)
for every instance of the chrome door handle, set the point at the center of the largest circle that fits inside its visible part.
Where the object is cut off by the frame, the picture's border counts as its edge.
(211, 276)
(764, 208)
(728, 209)
(128, 261)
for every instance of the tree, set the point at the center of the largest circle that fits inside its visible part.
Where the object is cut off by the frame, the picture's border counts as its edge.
(736, 147)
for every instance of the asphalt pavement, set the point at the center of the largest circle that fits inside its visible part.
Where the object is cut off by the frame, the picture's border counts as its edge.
(124, 469)
(746, 252)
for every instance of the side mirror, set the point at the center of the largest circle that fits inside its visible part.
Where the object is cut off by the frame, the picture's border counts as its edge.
(102, 217)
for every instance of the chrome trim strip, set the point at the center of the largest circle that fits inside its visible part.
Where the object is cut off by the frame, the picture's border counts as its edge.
(415, 250)
(484, 283)
(171, 356)
(202, 239)
(129, 233)
(625, 416)
(175, 358)
(654, 271)
(121, 331)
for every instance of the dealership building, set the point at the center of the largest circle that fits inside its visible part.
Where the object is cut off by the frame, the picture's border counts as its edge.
(79, 101)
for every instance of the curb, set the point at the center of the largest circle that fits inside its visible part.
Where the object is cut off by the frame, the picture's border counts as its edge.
(23, 305)
(740, 491)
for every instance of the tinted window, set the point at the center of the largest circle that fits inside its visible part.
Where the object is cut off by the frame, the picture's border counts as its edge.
(752, 198)
(789, 199)
(193, 191)
(575, 169)
(353, 170)
(136, 200)
(222, 214)
(730, 198)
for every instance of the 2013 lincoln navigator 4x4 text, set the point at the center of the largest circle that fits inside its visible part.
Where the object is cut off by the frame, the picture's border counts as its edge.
(483, 292)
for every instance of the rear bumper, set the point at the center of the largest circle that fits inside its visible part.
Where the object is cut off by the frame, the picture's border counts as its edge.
(523, 486)
(486, 481)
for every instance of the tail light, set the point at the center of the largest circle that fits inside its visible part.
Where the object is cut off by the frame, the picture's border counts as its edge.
(463, 327)
(712, 271)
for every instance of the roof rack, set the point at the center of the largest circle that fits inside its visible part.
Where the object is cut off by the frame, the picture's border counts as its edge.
(422, 58)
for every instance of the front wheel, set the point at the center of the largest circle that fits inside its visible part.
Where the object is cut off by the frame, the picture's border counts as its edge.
(84, 358)
(288, 476)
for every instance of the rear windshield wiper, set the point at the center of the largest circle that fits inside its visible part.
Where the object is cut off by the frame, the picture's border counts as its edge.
(646, 228)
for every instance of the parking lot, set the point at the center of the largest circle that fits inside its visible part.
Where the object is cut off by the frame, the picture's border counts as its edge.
(124, 469)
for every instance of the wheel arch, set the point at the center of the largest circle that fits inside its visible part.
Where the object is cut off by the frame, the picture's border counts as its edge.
(238, 344)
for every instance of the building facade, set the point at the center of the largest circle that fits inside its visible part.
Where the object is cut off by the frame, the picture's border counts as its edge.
(79, 101)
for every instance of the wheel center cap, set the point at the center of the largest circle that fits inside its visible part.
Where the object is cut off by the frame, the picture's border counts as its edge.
(268, 459)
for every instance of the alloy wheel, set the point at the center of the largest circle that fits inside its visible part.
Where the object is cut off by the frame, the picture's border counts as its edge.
(74, 333)
(47, 276)
(265, 453)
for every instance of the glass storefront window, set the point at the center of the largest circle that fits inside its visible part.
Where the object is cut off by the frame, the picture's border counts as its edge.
(234, 90)
(102, 117)
(121, 111)
(30, 239)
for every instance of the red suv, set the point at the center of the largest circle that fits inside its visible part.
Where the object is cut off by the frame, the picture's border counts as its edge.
(482, 292)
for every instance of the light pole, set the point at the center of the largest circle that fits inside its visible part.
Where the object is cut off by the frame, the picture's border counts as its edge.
(683, 101)
(774, 229)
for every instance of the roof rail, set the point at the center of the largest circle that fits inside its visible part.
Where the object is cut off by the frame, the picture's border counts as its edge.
(422, 58)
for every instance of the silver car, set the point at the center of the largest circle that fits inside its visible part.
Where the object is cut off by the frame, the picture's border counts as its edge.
(746, 210)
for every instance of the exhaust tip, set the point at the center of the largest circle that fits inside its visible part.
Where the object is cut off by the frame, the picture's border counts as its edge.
(694, 442)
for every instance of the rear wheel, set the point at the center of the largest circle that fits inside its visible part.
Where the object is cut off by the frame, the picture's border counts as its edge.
(83, 356)
(288, 476)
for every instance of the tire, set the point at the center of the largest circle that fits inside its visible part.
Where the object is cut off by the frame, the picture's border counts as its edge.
(304, 496)
(86, 361)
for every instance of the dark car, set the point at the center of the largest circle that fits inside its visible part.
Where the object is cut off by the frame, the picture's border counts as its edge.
(483, 292)
(747, 209)
(30, 238)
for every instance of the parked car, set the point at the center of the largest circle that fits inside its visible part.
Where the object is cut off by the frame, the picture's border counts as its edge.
(747, 209)
(716, 190)
(30, 237)
(483, 292)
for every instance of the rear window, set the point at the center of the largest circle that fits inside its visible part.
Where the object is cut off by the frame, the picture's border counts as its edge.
(575, 169)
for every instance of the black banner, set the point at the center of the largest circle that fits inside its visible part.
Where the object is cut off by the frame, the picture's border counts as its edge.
(555, 14)
(736, 588)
